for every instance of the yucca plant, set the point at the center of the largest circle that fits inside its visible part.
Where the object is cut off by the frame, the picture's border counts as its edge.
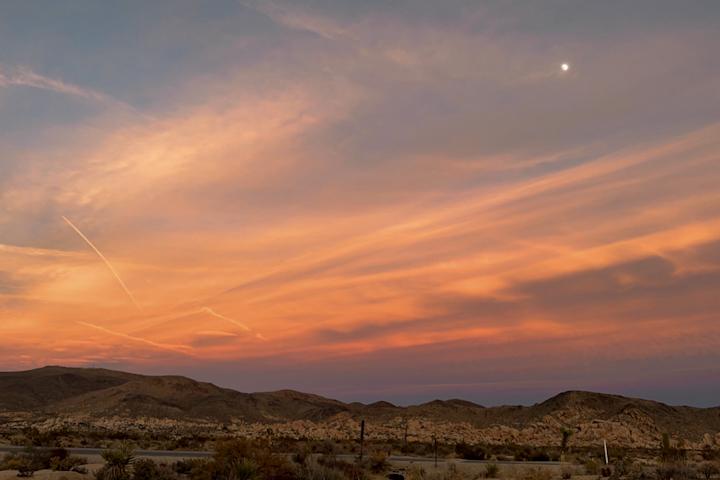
(117, 461)
(243, 469)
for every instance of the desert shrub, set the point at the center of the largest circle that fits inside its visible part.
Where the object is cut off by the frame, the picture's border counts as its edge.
(470, 452)
(26, 467)
(199, 469)
(68, 464)
(532, 454)
(327, 447)
(10, 462)
(536, 473)
(636, 472)
(674, 471)
(36, 438)
(709, 453)
(378, 462)
(621, 468)
(301, 454)
(492, 470)
(540, 457)
(592, 467)
(33, 459)
(416, 472)
(313, 470)
(419, 449)
(566, 473)
(241, 459)
(451, 473)
(709, 469)
(352, 471)
(186, 466)
(146, 469)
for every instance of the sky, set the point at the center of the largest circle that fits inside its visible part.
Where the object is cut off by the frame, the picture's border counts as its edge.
(398, 200)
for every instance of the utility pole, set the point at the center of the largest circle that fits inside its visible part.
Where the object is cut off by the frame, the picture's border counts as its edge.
(405, 435)
(362, 438)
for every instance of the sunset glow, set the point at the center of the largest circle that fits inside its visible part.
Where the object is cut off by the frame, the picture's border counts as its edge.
(364, 203)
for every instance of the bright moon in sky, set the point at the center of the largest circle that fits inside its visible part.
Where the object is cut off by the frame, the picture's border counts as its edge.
(565, 67)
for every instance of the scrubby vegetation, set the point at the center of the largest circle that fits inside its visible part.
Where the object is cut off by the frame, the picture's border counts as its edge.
(281, 459)
(33, 459)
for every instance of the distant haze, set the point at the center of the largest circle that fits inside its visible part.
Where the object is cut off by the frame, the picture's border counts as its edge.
(366, 200)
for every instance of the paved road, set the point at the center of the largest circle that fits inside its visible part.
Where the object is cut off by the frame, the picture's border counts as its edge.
(410, 459)
(138, 453)
(350, 457)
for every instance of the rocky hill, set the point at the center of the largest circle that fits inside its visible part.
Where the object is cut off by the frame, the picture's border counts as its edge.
(53, 397)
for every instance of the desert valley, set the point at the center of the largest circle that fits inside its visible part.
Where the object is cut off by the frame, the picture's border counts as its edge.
(359, 239)
(58, 407)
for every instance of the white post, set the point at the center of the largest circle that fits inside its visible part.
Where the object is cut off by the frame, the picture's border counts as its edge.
(606, 455)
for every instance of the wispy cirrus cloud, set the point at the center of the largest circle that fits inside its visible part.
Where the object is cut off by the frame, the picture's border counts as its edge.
(298, 18)
(22, 76)
(399, 186)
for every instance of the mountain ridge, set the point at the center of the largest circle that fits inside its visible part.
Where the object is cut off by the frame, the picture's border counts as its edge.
(95, 393)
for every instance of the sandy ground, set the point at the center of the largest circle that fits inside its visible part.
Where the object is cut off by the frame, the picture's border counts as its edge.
(50, 475)
(471, 469)
(46, 475)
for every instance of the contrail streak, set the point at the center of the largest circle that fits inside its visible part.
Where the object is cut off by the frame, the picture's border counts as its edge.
(184, 349)
(223, 317)
(212, 312)
(107, 263)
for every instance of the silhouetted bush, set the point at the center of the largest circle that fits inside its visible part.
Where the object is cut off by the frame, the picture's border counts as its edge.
(378, 462)
(675, 471)
(470, 452)
(146, 469)
(186, 466)
(710, 453)
(532, 454)
(415, 472)
(709, 469)
(492, 470)
(68, 464)
(536, 474)
(15, 461)
(241, 459)
(591, 467)
(33, 459)
(352, 471)
(311, 469)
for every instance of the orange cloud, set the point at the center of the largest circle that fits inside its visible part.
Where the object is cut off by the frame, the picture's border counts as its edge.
(340, 206)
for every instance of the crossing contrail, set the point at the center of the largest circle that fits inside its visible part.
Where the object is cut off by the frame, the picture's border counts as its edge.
(107, 263)
(184, 349)
(212, 312)
(223, 317)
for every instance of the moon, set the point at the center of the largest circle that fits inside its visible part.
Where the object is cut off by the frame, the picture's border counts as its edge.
(565, 67)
